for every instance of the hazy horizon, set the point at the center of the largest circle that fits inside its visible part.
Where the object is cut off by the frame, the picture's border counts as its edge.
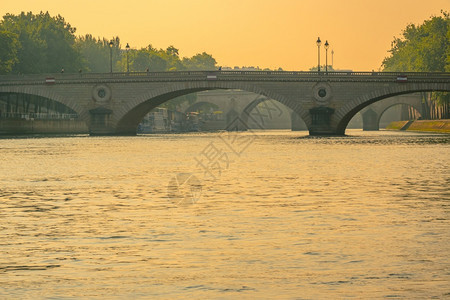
(259, 33)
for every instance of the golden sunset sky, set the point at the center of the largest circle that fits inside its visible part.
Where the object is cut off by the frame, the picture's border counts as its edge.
(264, 33)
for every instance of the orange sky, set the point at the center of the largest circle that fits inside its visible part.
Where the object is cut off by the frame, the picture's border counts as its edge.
(264, 33)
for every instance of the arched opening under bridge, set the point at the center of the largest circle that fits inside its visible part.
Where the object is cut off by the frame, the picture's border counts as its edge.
(219, 109)
(22, 113)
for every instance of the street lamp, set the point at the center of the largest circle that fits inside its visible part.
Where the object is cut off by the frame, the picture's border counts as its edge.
(332, 59)
(111, 44)
(128, 65)
(326, 56)
(319, 42)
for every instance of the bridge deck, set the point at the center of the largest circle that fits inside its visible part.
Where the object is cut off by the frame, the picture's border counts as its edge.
(32, 79)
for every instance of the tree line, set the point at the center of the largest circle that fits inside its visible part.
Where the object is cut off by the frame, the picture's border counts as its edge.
(424, 48)
(39, 43)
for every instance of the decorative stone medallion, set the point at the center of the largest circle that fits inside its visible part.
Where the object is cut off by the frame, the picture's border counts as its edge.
(101, 93)
(322, 93)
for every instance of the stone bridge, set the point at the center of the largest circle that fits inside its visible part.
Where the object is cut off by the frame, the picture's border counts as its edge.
(372, 114)
(115, 103)
(245, 105)
(257, 111)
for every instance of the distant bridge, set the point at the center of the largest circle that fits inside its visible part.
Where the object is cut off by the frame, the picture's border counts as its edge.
(115, 103)
(262, 112)
(372, 114)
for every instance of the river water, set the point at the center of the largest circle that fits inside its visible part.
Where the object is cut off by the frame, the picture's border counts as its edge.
(254, 215)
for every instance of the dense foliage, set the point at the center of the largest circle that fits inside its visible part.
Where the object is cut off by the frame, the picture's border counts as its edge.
(424, 48)
(9, 46)
(37, 44)
(40, 43)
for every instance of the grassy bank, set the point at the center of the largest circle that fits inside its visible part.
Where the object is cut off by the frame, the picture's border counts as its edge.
(442, 126)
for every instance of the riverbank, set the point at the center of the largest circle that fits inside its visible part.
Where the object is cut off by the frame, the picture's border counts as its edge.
(441, 126)
(57, 126)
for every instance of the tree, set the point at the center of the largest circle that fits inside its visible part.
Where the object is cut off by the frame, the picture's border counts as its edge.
(424, 48)
(159, 60)
(147, 59)
(157, 63)
(95, 53)
(203, 61)
(46, 43)
(172, 58)
(171, 50)
(9, 46)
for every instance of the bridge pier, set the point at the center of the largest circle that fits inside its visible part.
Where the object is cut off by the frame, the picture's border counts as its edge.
(100, 122)
(297, 123)
(370, 120)
(321, 121)
(235, 122)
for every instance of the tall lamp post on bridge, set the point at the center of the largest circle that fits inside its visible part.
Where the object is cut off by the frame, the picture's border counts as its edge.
(326, 56)
(111, 44)
(332, 59)
(318, 42)
(127, 47)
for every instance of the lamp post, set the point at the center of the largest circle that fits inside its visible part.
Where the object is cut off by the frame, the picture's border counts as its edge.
(332, 59)
(318, 42)
(326, 56)
(111, 44)
(128, 65)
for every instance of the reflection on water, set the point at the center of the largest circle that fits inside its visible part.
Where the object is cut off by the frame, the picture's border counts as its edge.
(289, 216)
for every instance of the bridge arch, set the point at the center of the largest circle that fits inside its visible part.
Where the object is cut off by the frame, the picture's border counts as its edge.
(373, 114)
(32, 104)
(268, 112)
(134, 111)
(411, 105)
(44, 93)
(346, 112)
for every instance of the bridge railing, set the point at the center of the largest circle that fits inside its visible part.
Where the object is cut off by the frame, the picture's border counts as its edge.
(220, 75)
(37, 116)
